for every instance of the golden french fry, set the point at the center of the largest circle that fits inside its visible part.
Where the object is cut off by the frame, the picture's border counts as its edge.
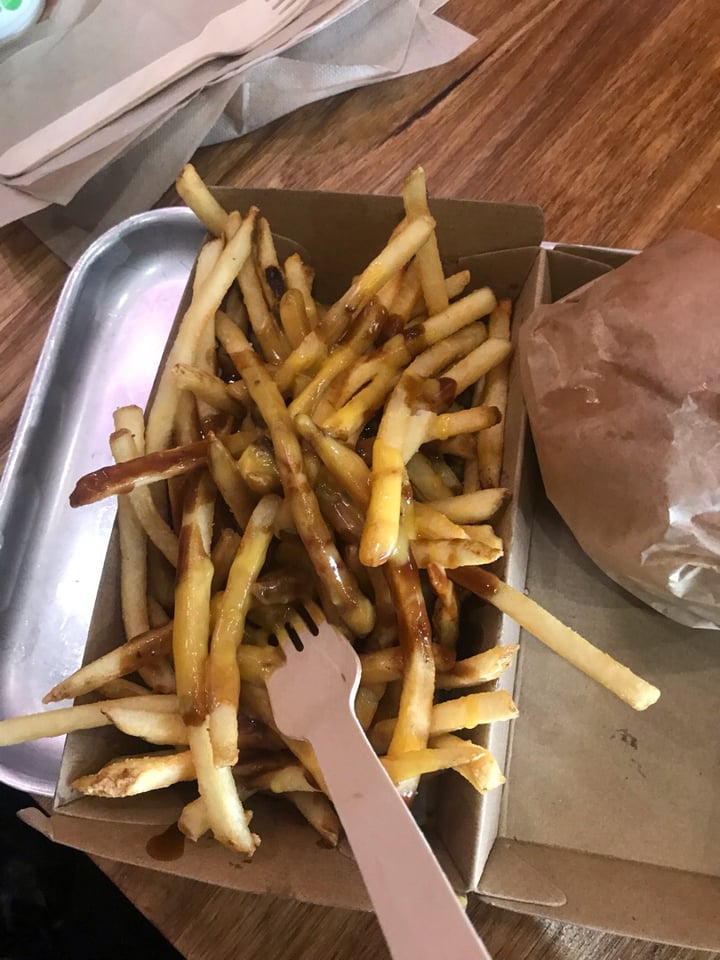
(472, 508)
(446, 612)
(386, 665)
(193, 821)
(599, 666)
(454, 553)
(294, 318)
(397, 252)
(477, 363)
(268, 268)
(148, 725)
(342, 357)
(446, 425)
(117, 663)
(229, 480)
(481, 668)
(425, 480)
(191, 626)
(464, 713)
(125, 448)
(432, 279)
(55, 723)
(495, 390)
(197, 196)
(412, 764)
(201, 311)
(270, 337)
(290, 778)
(223, 673)
(206, 386)
(297, 278)
(121, 688)
(216, 785)
(319, 813)
(258, 468)
(484, 773)
(135, 775)
(222, 556)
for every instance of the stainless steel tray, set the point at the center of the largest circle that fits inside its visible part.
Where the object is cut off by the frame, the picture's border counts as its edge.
(102, 350)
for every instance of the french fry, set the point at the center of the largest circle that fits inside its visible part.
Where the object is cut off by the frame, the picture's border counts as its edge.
(454, 553)
(201, 311)
(193, 821)
(121, 661)
(432, 279)
(386, 665)
(472, 508)
(294, 318)
(121, 688)
(135, 775)
(290, 778)
(319, 813)
(477, 363)
(568, 644)
(148, 725)
(55, 723)
(495, 391)
(197, 196)
(415, 634)
(222, 556)
(398, 251)
(268, 268)
(224, 808)
(270, 337)
(412, 764)
(124, 448)
(205, 386)
(425, 480)
(446, 425)
(223, 672)
(484, 773)
(258, 469)
(191, 626)
(342, 357)
(446, 612)
(229, 480)
(463, 713)
(151, 468)
(297, 279)
(480, 668)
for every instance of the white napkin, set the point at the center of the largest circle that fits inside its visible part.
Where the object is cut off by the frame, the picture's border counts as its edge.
(124, 168)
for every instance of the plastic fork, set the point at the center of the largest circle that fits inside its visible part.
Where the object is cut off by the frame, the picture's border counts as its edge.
(229, 34)
(312, 697)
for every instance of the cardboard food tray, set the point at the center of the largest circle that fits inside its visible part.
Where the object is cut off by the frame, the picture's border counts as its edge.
(606, 818)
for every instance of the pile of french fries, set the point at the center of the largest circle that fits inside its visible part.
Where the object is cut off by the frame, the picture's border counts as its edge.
(346, 455)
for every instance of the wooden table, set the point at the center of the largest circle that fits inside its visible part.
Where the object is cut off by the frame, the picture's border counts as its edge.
(604, 112)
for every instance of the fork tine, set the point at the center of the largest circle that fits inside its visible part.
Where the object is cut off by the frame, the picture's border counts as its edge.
(316, 614)
(286, 645)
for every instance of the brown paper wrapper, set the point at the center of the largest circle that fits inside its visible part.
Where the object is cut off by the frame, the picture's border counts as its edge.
(622, 384)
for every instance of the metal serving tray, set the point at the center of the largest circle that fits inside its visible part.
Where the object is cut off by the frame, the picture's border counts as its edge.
(102, 350)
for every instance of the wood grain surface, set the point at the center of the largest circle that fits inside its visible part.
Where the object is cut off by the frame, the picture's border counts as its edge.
(604, 112)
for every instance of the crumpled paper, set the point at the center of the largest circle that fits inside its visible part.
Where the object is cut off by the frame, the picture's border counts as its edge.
(72, 198)
(622, 385)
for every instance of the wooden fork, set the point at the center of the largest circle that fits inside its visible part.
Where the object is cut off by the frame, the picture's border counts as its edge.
(229, 34)
(312, 697)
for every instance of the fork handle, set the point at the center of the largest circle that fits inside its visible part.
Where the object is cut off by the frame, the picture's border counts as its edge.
(416, 907)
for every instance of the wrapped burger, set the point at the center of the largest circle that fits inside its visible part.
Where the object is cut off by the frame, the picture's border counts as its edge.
(622, 384)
